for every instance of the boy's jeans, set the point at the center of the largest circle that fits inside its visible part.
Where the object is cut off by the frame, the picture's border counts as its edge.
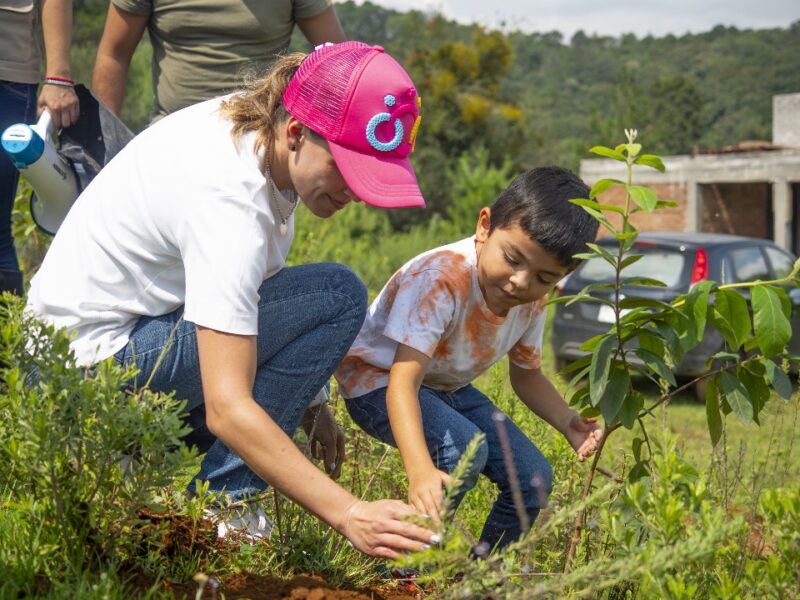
(450, 420)
(308, 317)
(17, 105)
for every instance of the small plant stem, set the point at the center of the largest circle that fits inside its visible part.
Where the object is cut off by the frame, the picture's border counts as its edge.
(587, 488)
(511, 470)
(375, 472)
(646, 437)
(278, 524)
(610, 474)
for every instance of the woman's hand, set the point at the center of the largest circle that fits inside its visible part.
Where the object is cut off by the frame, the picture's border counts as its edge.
(325, 439)
(584, 435)
(382, 529)
(426, 492)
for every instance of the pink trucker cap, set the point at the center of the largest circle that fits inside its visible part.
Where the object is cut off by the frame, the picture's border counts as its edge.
(365, 105)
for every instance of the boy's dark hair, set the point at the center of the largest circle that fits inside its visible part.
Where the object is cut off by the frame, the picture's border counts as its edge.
(538, 201)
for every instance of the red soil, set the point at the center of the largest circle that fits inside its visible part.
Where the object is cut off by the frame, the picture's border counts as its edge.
(302, 587)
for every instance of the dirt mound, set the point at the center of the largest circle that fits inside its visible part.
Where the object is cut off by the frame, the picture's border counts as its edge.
(302, 587)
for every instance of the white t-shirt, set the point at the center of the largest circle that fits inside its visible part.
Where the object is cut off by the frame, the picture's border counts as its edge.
(434, 304)
(183, 215)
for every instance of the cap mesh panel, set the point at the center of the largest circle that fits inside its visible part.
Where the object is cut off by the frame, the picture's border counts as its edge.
(322, 86)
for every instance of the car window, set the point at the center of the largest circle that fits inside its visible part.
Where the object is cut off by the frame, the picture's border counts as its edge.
(781, 263)
(748, 264)
(666, 265)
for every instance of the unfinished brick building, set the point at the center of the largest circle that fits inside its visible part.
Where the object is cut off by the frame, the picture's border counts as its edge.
(750, 189)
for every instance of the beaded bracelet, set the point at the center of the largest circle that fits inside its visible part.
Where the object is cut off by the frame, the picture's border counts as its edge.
(62, 81)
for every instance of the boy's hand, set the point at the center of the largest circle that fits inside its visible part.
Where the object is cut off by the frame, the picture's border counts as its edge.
(426, 492)
(584, 435)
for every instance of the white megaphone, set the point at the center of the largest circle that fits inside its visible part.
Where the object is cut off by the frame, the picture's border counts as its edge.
(52, 177)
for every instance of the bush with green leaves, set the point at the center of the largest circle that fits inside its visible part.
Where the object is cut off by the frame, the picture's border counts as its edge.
(80, 459)
(655, 532)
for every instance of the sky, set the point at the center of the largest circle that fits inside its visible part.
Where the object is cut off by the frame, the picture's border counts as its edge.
(611, 17)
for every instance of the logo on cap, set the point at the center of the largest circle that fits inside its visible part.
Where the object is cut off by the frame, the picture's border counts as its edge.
(410, 107)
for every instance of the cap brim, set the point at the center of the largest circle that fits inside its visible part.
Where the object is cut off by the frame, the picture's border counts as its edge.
(385, 182)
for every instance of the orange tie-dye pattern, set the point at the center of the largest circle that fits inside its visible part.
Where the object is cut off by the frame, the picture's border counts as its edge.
(478, 335)
(354, 372)
(529, 357)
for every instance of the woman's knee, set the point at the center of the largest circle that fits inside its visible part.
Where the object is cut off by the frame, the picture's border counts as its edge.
(351, 286)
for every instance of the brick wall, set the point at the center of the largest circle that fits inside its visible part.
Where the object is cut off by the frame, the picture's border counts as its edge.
(667, 219)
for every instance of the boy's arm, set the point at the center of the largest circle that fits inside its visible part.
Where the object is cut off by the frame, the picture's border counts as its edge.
(539, 394)
(425, 481)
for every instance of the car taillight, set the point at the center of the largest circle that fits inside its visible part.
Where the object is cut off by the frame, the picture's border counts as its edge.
(700, 268)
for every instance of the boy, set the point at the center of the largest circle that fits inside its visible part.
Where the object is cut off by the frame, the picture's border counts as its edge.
(447, 316)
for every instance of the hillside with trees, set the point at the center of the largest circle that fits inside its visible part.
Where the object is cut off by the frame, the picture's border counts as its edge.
(509, 100)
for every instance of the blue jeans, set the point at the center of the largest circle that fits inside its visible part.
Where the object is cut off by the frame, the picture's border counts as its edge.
(450, 421)
(308, 316)
(17, 105)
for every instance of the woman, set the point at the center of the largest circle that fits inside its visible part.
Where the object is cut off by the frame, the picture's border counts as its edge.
(173, 259)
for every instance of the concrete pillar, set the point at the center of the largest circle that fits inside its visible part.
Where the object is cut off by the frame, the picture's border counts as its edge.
(782, 213)
(694, 206)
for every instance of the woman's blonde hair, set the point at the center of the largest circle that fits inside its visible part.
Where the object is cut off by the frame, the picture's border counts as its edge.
(259, 107)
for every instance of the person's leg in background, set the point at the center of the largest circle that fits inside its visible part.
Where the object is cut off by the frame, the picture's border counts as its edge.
(17, 105)
(308, 317)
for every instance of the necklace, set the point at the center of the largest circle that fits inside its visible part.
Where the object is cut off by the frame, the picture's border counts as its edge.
(283, 228)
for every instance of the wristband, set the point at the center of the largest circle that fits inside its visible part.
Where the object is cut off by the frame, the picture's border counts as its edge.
(59, 81)
(349, 512)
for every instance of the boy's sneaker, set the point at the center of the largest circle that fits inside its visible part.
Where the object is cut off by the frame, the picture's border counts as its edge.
(246, 521)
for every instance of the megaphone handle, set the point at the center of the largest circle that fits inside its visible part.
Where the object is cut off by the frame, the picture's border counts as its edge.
(45, 125)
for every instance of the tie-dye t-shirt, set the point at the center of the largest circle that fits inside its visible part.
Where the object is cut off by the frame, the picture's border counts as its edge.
(434, 304)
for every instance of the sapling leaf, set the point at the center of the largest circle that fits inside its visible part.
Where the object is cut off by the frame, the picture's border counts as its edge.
(629, 260)
(615, 393)
(595, 205)
(602, 185)
(712, 412)
(730, 317)
(630, 409)
(779, 380)
(600, 368)
(696, 311)
(656, 365)
(580, 375)
(576, 365)
(592, 343)
(666, 204)
(626, 236)
(772, 328)
(644, 197)
(608, 153)
(737, 397)
(600, 217)
(652, 342)
(650, 160)
(633, 149)
(757, 388)
(642, 281)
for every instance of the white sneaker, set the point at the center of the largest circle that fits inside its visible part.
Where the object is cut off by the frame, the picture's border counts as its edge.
(247, 521)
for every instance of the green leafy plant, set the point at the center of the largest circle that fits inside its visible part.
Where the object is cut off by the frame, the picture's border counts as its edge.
(648, 336)
(82, 463)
